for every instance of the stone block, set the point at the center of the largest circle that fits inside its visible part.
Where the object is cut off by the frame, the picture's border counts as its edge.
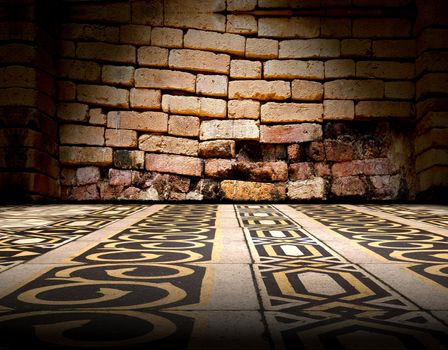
(106, 52)
(72, 111)
(121, 138)
(181, 125)
(145, 98)
(339, 110)
(290, 133)
(368, 109)
(386, 187)
(168, 144)
(252, 191)
(292, 27)
(120, 177)
(309, 48)
(97, 117)
(304, 90)
(147, 12)
(259, 89)
(202, 61)
(211, 85)
(144, 121)
(81, 135)
(244, 69)
(243, 109)
(399, 90)
(117, 75)
(219, 168)
(241, 129)
(75, 155)
(152, 56)
(241, 24)
(385, 70)
(340, 68)
(126, 159)
(103, 95)
(164, 79)
(356, 47)
(306, 189)
(261, 48)
(168, 163)
(87, 175)
(288, 112)
(292, 69)
(217, 149)
(345, 89)
(135, 34)
(167, 37)
(200, 106)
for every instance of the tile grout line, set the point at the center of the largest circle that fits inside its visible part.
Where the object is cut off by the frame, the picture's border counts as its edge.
(396, 276)
(21, 274)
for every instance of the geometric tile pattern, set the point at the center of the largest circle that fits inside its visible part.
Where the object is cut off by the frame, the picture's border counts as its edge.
(124, 284)
(316, 299)
(425, 252)
(20, 241)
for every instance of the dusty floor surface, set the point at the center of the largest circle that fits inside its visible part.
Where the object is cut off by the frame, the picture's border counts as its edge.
(243, 276)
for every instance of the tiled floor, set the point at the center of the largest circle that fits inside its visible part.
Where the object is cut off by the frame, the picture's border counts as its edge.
(243, 276)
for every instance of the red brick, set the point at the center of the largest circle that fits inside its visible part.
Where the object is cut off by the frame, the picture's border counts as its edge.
(301, 171)
(378, 166)
(338, 151)
(294, 153)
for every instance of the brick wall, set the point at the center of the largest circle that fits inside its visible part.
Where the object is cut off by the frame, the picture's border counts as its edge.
(235, 100)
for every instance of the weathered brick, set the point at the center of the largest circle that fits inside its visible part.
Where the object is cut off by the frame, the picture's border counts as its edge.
(167, 163)
(145, 121)
(261, 48)
(273, 112)
(152, 56)
(135, 34)
(290, 133)
(90, 32)
(79, 70)
(261, 171)
(217, 149)
(376, 166)
(335, 27)
(120, 177)
(348, 186)
(72, 111)
(294, 152)
(338, 151)
(241, 24)
(164, 79)
(290, 69)
(301, 171)
(386, 187)
(211, 85)
(252, 191)
(147, 12)
(385, 70)
(106, 52)
(200, 106)
(243, 109)
(356, 47)
(340, 69)
(305, 90)
(211, 41)
(118, 75)
(394, 48)
(345, 89)
(81, 135)
(322, 169)
(381, 27)
(316, 151)
(243, 69)
(293, 27)
(75, 155)
(168, 144)
(195, 14)
(167, 37)
(307, 189)
(219, 168)
(260, 89)
(121, 138)
(229, 129)
(145, 98)
(309, 48)
(339, 110)
(241, 5)
(181, 125)
(126, 159)
(197, 60)
(401, 90)
(368, 109)
(87, 175)
(82, 193)
(97, 117)
(103, 95)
